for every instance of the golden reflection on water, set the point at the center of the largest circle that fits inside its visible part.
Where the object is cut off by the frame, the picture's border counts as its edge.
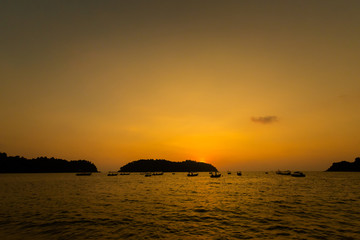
(255, 205)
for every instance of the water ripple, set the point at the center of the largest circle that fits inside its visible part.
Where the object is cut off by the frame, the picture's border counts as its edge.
(253, 206)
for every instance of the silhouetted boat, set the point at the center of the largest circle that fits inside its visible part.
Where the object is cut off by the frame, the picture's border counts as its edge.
(112, 174)
(266, 172)
(148, 174)
(124, 173)
(239, 173)
(287, 172)
(158, 173)
(191, 174)
(298, 174)
(215, 175)
(83, 174)
(228, 172)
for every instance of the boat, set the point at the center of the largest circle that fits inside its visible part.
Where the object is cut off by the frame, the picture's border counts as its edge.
(287, 172)
(148, 174)
(124, 173)
(112, 174)
(239, 173)
(83, 174)
(228, 172)
(158, 173)
(192, 174)
(215, 175)
(266, 172)
(298, 174)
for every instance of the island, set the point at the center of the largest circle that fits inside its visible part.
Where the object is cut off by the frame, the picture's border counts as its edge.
(162, 165)
(345, 166)
(17, 164)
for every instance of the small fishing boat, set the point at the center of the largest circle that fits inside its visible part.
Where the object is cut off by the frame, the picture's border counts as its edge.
(112, 174)
(124, 173)
(148, 174)
(287, 172)
(83, 174)
(239, 173)
(215, 175)
(158, 173)
(298, 174)
(228, 172)
(192, 174)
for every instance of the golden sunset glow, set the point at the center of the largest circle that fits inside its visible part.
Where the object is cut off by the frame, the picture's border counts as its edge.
(242, 85)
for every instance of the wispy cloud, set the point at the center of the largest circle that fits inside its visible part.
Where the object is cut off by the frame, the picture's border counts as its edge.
(265, 119)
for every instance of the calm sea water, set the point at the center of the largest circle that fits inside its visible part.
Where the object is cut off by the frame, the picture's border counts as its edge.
(253, 206)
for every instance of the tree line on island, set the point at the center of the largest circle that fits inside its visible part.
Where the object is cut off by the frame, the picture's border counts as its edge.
(162, 165)
(17, 164)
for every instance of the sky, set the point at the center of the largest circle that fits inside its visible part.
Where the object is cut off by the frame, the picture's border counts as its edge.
(243, 85)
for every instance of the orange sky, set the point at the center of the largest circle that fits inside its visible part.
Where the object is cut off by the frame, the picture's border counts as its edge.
(244, 85)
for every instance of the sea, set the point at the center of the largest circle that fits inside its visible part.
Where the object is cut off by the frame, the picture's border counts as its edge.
(322, 205)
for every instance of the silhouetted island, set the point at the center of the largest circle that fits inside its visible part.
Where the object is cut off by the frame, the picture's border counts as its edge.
(19, 164)
(161, 165)
(345, 166)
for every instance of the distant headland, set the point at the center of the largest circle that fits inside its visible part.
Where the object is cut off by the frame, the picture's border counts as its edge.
(161, 165)
(345, 166)
(19, 164)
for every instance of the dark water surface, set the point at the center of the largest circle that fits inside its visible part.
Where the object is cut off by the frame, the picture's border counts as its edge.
(253, 206)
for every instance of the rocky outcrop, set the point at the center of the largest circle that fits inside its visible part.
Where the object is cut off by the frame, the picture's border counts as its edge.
(345, 166)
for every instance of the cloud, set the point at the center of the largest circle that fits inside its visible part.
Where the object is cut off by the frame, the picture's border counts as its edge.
(265, 119)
